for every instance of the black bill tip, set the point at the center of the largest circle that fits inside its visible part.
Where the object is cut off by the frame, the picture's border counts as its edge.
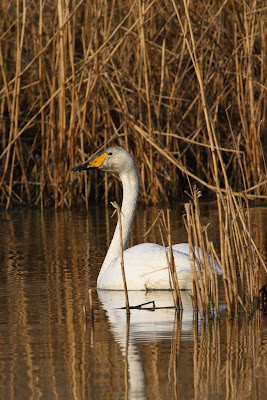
(80, 167)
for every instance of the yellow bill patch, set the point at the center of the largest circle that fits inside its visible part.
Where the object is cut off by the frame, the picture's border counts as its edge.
(97, 161)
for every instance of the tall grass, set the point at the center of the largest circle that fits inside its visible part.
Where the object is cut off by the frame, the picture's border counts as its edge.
(182, 85)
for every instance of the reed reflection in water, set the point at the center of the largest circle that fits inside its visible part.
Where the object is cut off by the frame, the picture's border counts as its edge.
(48, 262)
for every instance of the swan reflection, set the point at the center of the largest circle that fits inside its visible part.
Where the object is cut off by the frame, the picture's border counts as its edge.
(143, 327)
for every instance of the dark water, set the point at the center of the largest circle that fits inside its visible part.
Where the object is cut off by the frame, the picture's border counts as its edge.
(48, 351)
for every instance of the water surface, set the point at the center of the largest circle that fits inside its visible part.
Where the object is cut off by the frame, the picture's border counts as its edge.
(47, 350)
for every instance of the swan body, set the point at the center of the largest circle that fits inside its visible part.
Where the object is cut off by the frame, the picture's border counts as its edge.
(146, 268)
(146, 265)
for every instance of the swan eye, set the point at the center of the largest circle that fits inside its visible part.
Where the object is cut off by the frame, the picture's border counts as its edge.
(109, 154)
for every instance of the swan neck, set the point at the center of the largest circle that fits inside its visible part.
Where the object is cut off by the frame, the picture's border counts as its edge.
(130, 185)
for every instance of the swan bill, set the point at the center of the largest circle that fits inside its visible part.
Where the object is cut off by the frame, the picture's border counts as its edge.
(94, 163)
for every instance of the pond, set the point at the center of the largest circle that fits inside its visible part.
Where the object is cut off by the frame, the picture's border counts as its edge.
(49, 350)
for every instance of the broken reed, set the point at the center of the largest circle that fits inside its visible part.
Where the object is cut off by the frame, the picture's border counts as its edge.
(78, 76)
(240, 259)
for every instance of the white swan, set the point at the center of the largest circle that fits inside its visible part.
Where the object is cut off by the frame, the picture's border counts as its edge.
(145, 264)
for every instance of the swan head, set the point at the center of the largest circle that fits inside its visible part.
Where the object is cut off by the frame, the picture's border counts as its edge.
(113, 159)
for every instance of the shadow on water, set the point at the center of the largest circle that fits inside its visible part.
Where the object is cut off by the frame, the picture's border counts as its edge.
(48, 262)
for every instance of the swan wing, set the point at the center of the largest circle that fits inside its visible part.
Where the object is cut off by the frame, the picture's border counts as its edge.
(181, 247)
(184, 248)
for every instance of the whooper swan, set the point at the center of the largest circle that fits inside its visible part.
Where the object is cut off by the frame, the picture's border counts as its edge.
(145, 264)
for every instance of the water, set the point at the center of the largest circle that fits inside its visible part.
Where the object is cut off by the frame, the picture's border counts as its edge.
(48, 350)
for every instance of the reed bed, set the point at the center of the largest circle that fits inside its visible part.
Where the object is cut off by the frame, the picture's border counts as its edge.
(240, 261)
(182, 85)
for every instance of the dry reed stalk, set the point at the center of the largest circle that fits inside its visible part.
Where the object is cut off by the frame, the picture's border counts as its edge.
(165, 225)
(202, 261)
(40, 75)
(118, 210)
(175, 282)
(195, 284)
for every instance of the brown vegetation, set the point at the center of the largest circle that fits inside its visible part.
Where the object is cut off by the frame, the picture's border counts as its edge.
(240, 260)
(182, 85)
